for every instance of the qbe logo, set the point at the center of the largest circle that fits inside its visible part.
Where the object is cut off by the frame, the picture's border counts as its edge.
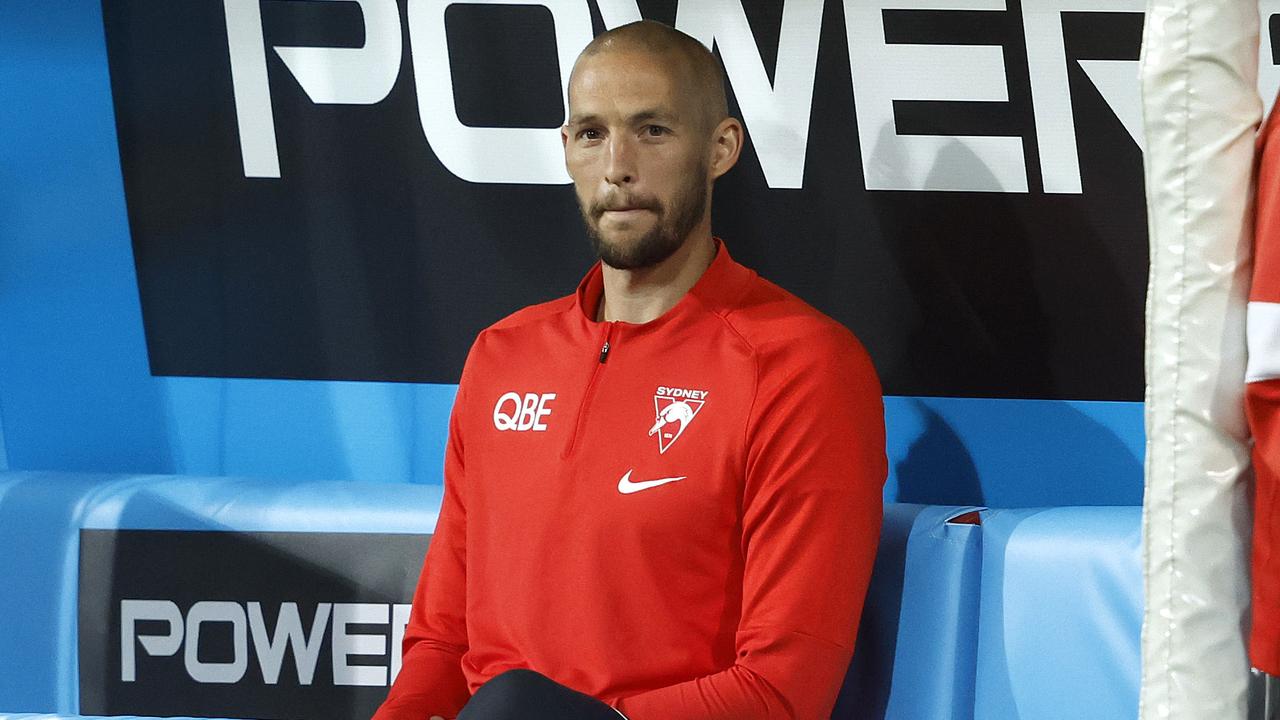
(521, 412)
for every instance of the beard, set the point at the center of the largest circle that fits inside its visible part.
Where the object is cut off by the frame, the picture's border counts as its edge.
(669, 231)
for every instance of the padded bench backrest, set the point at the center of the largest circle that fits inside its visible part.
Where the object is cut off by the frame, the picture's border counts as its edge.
(916, 654)
(42, 515)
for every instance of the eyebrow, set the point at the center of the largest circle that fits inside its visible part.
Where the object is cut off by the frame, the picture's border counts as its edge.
(638, 117)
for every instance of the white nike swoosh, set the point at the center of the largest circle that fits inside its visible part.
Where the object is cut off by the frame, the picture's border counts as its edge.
(626, 487)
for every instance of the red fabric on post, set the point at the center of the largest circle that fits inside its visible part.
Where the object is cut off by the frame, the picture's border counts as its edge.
(1262, 404)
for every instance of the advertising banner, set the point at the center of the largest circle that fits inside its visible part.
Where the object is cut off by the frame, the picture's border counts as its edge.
(351, 190)
(231, 624)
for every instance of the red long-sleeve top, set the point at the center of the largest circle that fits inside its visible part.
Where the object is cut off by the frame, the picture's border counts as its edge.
(1262, 403)
(677, 517)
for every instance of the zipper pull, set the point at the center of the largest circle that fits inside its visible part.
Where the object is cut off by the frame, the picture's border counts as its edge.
(604, 352)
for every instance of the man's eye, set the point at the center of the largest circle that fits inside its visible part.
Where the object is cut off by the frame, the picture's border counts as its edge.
(655, 130)
(589, 134)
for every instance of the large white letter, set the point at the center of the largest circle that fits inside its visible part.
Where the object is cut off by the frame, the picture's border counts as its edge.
(249, 87)
(306, 647)
(353, 76)
(1116, 80)
(618, 12)
(216, 611)
(399, 619)
(490, 154)
(883, 73)
(132, 611)
(777, 115)
(1268, 71)
(345, 644)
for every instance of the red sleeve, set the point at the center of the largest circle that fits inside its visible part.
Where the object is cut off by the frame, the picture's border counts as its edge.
(812, 507)
(1262, 401)
(1262, 404)
(431, 680)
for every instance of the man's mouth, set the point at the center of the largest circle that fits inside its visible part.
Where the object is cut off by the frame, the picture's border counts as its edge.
(624, 211)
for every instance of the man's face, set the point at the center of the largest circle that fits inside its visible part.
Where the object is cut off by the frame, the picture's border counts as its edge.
(637, 151)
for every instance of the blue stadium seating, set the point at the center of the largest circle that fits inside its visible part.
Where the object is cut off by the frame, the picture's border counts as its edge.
(1027, 615)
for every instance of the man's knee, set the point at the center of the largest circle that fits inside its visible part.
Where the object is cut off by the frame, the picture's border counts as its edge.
(513, 692)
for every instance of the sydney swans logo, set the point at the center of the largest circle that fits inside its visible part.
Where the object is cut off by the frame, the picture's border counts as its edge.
(674, 409)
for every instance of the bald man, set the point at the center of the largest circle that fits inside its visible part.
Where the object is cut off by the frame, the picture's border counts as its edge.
(662, 492)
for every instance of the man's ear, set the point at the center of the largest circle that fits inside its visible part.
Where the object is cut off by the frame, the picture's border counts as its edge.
(726, 146)
(564, 136)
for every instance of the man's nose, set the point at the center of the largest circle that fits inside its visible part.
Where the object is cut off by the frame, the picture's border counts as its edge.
(620, 165)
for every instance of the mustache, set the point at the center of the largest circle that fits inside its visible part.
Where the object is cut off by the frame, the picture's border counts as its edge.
(599, 207)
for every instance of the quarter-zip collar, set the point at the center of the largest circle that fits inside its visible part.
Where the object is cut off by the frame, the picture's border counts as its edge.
(718, 287)
(717, 290)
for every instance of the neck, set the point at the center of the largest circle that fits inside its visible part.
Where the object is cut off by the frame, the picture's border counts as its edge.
(639, 296)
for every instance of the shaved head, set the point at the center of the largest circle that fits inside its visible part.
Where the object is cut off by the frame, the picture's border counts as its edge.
(648, 133)
(690, 62)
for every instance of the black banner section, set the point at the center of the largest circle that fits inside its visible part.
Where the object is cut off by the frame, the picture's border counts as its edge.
(228, 624)
(976, 218)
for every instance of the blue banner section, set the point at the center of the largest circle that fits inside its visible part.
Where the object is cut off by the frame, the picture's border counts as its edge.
(74, 381)
(1003, 453)
(304, 429)
(4, 456)
(1014, 453)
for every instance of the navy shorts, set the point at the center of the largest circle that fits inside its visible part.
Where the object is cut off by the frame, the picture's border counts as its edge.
(530, 695)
